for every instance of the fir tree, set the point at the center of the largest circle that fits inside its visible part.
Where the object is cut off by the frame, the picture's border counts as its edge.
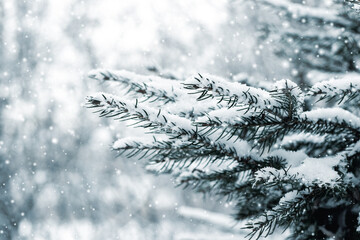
(283, 166)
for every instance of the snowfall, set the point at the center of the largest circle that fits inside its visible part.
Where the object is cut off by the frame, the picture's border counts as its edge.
(60, 179)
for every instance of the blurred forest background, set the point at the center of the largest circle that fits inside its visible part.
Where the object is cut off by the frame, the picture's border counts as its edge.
(59, 179)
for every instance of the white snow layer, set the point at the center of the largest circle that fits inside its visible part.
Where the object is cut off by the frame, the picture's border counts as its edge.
(331, 114)
(288, 197)
(308, 170)
(318, 170)
(298, 137)
(336, 86)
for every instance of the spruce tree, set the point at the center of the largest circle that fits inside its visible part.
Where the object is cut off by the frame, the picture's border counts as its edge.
(283, 164)
(284, 167)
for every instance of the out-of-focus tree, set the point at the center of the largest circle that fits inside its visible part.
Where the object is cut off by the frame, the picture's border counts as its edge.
(284, 163)
(18, 54)
(316, 37)
(239, 48)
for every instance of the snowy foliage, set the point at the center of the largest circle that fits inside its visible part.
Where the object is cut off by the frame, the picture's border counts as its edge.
(59, 181)
(281, 165)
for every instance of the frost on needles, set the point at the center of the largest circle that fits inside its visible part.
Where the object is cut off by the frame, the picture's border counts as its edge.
(284, 167)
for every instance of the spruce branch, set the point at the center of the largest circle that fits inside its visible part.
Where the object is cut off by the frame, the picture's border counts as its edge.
(144, 116)
(264, 130)
(217, 181)
(166, 154)
(292, 208)
(155, 89)
(161, 122)
(343, 91)
(316, 145)
(152, 87)
(232, 93)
